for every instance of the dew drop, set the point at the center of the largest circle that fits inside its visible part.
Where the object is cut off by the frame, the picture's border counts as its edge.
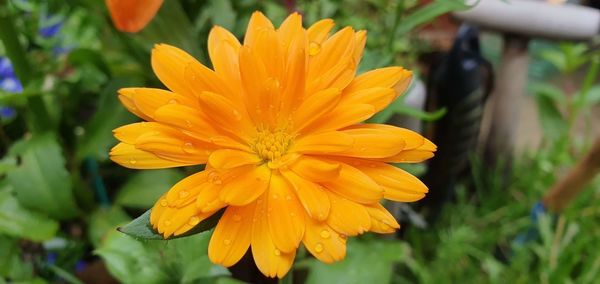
(227, 242)
(288, 197)
(194, 221)
(275, 196)
(237, 218)
(188, 123)
(314, 48)
(236, 115)
(319, 247)
(183, 194)
(293, 214)
(167, 223)
(277, 252)
(132, 161)
(325, 234)
(173, 101)
(163, 202)
(189, 148)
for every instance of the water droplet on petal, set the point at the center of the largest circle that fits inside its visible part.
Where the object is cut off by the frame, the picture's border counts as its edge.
(189, 148)
(226, 242)
(194, 221)
(319, 247)
(325, 234)
(163, 202)
(188, 123)
(236, 115)
(173, 101)
(275, 196)
(167, 223)
(277, 252)
(237, 218)
(288, 197)
(314, 48)
(132, 161)
(183, 194)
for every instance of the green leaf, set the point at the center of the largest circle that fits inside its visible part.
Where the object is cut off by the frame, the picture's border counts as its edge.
(130, 261)
(177, 261)
(105, 220)
(11, 264)
(223, 14)
(42, 182)
(427, 13)
(19, 222)
(145, 187)
(97, 138)
(140, 228)
(553, 123)
(366, 262)
(547, 90)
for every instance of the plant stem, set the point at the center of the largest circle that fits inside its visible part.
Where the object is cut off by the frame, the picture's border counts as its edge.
(397, 20)
(16, 53)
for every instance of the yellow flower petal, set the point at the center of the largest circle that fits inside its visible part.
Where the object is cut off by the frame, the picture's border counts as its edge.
(180, 220)
(248, 186)
(372, 143)
(128, 156)
(223, 49)
(347, 217)
(323, 143)
(228, 158)
(353, 184)
(323, 242)
(169, 64)
(232, 236)
(286, 216)
(312, 196)
(340, 117)
(378, 97)
(271, 261)
(186, 190)
(381, 220)
(258, 22)
(315, 106)
(208, 198)
(315, 169)
(290, 27)
(386, 77)
(397, 184)
(319, 31)
(143, 102)
(224, 113)
(416, 155)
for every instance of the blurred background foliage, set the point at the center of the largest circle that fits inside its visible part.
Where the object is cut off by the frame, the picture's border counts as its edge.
(61, 198)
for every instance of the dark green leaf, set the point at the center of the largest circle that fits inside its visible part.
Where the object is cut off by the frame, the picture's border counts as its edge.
(105, 220)
(553, 123)
(11, 264)
(42, 182)
(547, 90)
(140, 228)
(366, 262)
(223, 14)
(145, 187)
(19, 222)
(428, 13)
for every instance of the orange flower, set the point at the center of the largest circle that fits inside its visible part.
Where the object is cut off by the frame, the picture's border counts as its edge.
(277, 125)
(132, 15)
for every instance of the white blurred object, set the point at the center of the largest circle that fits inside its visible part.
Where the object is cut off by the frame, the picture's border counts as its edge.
(535, 19)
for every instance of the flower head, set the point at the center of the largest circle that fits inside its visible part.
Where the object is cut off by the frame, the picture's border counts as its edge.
(277, 123)
(132, 15)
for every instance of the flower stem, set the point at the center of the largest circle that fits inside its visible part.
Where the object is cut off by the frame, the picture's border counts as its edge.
(16, 53)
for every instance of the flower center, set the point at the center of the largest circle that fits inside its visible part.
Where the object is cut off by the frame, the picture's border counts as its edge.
(271, 145)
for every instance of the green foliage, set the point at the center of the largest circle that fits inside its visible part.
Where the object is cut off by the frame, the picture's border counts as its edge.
(144, 188)
(41, 181)
(177, 261)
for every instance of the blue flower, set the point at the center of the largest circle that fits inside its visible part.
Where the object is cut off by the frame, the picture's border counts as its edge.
(8, 83)
(50, 30)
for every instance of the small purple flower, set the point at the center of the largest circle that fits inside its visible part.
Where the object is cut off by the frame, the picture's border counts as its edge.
(8, 83)
(50, 30)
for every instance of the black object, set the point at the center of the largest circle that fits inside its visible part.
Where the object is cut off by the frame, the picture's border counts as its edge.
(460, 83)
